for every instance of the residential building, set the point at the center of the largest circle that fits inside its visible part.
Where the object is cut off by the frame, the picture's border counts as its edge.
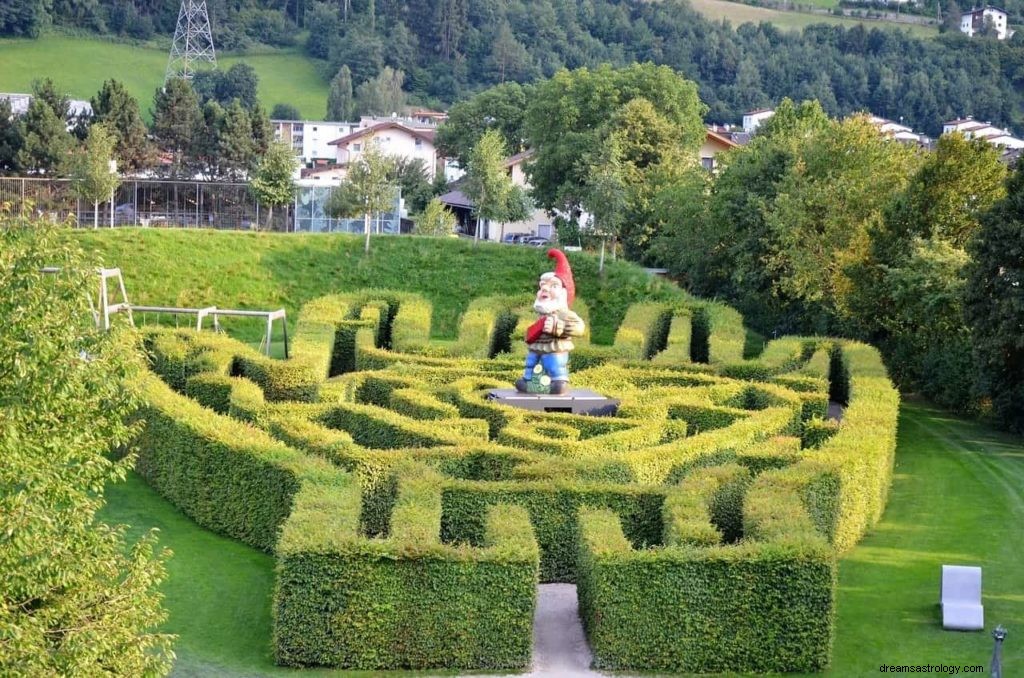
(310, 139)
(973, 129)
(76, 107)
(395, 138)
(898, 131)
(714, 143)
(974, 21)
(753, 119)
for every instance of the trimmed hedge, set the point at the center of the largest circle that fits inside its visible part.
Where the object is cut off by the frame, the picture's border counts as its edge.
(415, 517)
(408, 601)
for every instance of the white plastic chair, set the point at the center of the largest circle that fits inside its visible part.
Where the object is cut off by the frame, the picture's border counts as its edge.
(960, 598)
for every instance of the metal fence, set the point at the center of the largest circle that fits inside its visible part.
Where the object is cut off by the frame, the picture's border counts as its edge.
(145, 202)
(187, 204)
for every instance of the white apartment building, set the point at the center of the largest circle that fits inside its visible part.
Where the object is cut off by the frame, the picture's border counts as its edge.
(973, 129)
(753, 119)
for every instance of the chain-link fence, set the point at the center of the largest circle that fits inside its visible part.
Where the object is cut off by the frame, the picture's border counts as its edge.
(144, 202)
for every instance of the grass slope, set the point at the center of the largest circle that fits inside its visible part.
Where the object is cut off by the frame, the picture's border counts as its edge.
(195, 268)
(738, 13)
(956, 499)
(80, 65)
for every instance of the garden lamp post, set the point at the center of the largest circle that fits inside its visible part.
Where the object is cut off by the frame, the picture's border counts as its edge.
(996, 669)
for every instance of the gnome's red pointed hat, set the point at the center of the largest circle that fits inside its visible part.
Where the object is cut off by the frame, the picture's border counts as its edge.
(563, 273)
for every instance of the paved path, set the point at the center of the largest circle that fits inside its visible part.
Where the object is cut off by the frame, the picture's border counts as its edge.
(559, 646)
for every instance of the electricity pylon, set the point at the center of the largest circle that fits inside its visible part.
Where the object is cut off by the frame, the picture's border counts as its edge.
(193, 41)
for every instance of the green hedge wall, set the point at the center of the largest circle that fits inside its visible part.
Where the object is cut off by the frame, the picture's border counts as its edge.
(408, 601)
(411, 518)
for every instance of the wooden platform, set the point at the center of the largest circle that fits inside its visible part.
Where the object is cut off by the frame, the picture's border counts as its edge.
(576, 401)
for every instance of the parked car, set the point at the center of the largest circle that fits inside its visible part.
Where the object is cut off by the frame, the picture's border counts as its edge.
(537, 241)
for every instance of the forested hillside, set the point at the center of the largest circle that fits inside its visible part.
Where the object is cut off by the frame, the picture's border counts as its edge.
(448, 49)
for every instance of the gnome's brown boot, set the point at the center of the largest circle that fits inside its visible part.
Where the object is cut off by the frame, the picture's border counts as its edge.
(559, 387)
(522, 385)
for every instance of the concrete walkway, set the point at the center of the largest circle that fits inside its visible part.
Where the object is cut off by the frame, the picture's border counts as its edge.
(559, 645)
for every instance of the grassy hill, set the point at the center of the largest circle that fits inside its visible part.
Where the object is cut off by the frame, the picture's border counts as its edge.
(195, 268)
(80, 65)
(737, 13)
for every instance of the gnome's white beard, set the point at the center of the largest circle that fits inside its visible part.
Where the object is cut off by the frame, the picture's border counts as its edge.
(549, 306)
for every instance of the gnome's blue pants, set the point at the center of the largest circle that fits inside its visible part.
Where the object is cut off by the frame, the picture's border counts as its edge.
(556, 365)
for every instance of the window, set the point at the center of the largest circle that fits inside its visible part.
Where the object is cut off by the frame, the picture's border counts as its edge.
(707, 163)
(357, 147)
(419, 142)
(314, 129)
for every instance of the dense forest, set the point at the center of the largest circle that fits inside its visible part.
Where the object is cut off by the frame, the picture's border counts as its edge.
(449, 49)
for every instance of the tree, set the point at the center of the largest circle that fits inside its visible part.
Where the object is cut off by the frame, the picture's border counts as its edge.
(502, 108)
(22, 17)
(239, 82)
(410, 175)
(323, 24)
(10, 139)
(994, 305)
(381, 95)
(92, 176)
(567, 115)
(487, 183)
(114, 107)
(235, 151)
(367, 189)
(262, 130)
(436, 220)
(508, 56)
(45, 139)
(176, 121)
(273, 183)
(340, 104)
(285, 112)
(74, 598)
(606, 195)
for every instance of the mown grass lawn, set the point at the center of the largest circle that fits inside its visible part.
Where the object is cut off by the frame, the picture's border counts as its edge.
(958, 498)
(197, 268)
(80, 65)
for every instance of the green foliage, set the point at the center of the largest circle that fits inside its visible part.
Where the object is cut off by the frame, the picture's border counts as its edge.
(10, 139)
(502, 107)
(993, 305)
(114, 107)
(176, 118)
(367, 190)
(273, 183)
(285, 112)
(381, 95)
(90, 170)
(340, 102)
(45, 141)
(413, 461)
(574, 112)
(73, 594)
(436, 220)
(486, 182)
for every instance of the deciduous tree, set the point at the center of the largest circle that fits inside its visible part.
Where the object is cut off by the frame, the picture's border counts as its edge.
(367, 189)
(340, 102)
(92, 177)
(274, 185)
(74, 598)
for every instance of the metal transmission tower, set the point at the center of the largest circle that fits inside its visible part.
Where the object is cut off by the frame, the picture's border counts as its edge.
(193, 41)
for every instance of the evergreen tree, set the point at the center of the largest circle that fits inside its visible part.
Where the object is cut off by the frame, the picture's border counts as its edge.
(235, 149)
(46, 140)
(262, 131)
(10, 139)
(118, 110)
(176, 121)
(340, 103)
(74, 599)
(995, 304)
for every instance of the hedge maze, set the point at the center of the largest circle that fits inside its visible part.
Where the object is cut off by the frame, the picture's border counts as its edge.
(411, 519)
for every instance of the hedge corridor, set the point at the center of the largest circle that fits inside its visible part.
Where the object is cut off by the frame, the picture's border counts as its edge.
(411, 518)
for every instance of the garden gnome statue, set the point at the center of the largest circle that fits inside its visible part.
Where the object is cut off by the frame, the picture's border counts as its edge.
(549, 339)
